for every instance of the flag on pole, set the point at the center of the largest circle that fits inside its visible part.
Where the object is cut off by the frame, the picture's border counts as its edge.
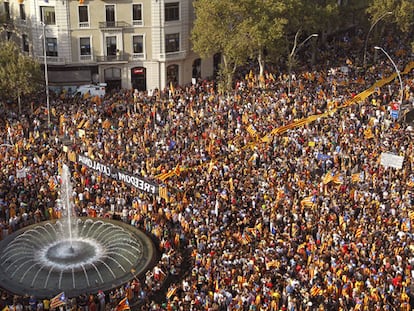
(58, 300)
(172, 89)
(123, 305)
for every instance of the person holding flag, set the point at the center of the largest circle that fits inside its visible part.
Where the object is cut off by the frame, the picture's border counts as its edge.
(57, 301)
(123, 304)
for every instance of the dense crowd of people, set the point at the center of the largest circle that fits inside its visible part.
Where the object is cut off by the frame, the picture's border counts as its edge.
(307, 219)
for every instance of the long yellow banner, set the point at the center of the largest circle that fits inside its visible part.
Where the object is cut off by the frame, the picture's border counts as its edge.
(358, 98)
(283, 129)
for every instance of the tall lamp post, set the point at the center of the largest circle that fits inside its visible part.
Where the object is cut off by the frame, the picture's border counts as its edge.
(46, 74)
(369, 31)
(292, 54)
(398, 74)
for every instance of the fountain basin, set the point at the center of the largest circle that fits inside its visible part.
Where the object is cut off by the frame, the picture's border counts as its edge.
(103, 254)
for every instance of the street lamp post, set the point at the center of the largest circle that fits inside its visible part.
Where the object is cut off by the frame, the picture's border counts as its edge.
(398, 74)
(46, 74)
(292, 54)
(369, 31)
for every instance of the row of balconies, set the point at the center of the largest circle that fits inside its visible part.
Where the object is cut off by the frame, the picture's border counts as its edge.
(121, 57)
(23, 23)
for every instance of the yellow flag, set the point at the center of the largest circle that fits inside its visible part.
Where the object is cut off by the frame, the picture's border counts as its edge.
(231, 184)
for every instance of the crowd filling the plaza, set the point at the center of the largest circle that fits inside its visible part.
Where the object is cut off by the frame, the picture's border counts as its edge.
(258, 199)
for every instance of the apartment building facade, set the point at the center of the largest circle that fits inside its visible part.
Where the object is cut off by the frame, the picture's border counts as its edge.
(139, 44)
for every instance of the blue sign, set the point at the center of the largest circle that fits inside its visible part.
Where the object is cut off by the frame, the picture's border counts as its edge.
(394, 114)
(323, 157)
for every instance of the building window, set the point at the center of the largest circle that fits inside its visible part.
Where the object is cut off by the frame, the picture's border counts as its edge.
(83, 16)
(7, 10)
(138, 46)
(172, 11)
(22, 11)
(51, 47)
(137, 14)
(112, 73)
(85, 48)
(111, 46)
(110, 15)
(172, 42)
(47, 15)
(25, 43)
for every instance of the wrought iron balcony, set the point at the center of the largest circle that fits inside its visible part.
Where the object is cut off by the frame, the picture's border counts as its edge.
(113, 25)
(112, 58)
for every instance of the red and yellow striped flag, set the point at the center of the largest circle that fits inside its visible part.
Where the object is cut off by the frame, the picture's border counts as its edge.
(315, 291)
(123, 304)
(251, 130)
(327, 178)
(171, 292)
(177, 170)
(359, 232)
(166, 175)
(308, 201)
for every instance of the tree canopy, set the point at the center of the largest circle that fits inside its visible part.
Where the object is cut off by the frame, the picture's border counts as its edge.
(20, 75)
(239, 30)
(253, 29)
(403, 12)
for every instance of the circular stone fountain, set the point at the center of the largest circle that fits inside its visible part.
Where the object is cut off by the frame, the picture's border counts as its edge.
(73, 255)
(38, 261)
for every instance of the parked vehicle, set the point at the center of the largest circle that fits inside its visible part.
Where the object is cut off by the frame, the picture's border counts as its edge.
(92, 89)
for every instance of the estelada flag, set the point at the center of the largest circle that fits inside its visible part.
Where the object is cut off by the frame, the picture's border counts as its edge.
(58, 300)
(123, 305)
(171, 292)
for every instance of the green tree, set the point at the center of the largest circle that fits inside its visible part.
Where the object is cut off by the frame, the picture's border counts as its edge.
(403, 12)
(20, 75)
(216, 30)
(239, 31)
(263, 25)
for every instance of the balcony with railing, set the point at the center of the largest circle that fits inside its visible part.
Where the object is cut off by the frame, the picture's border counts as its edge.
(51, 60)
(113, 25)
(173, 55)
(112, 58)
(137, 56)
(86, 58)
(84, 25)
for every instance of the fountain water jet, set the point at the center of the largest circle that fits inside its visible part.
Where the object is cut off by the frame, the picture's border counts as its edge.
(80, 256)
(66, 195)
